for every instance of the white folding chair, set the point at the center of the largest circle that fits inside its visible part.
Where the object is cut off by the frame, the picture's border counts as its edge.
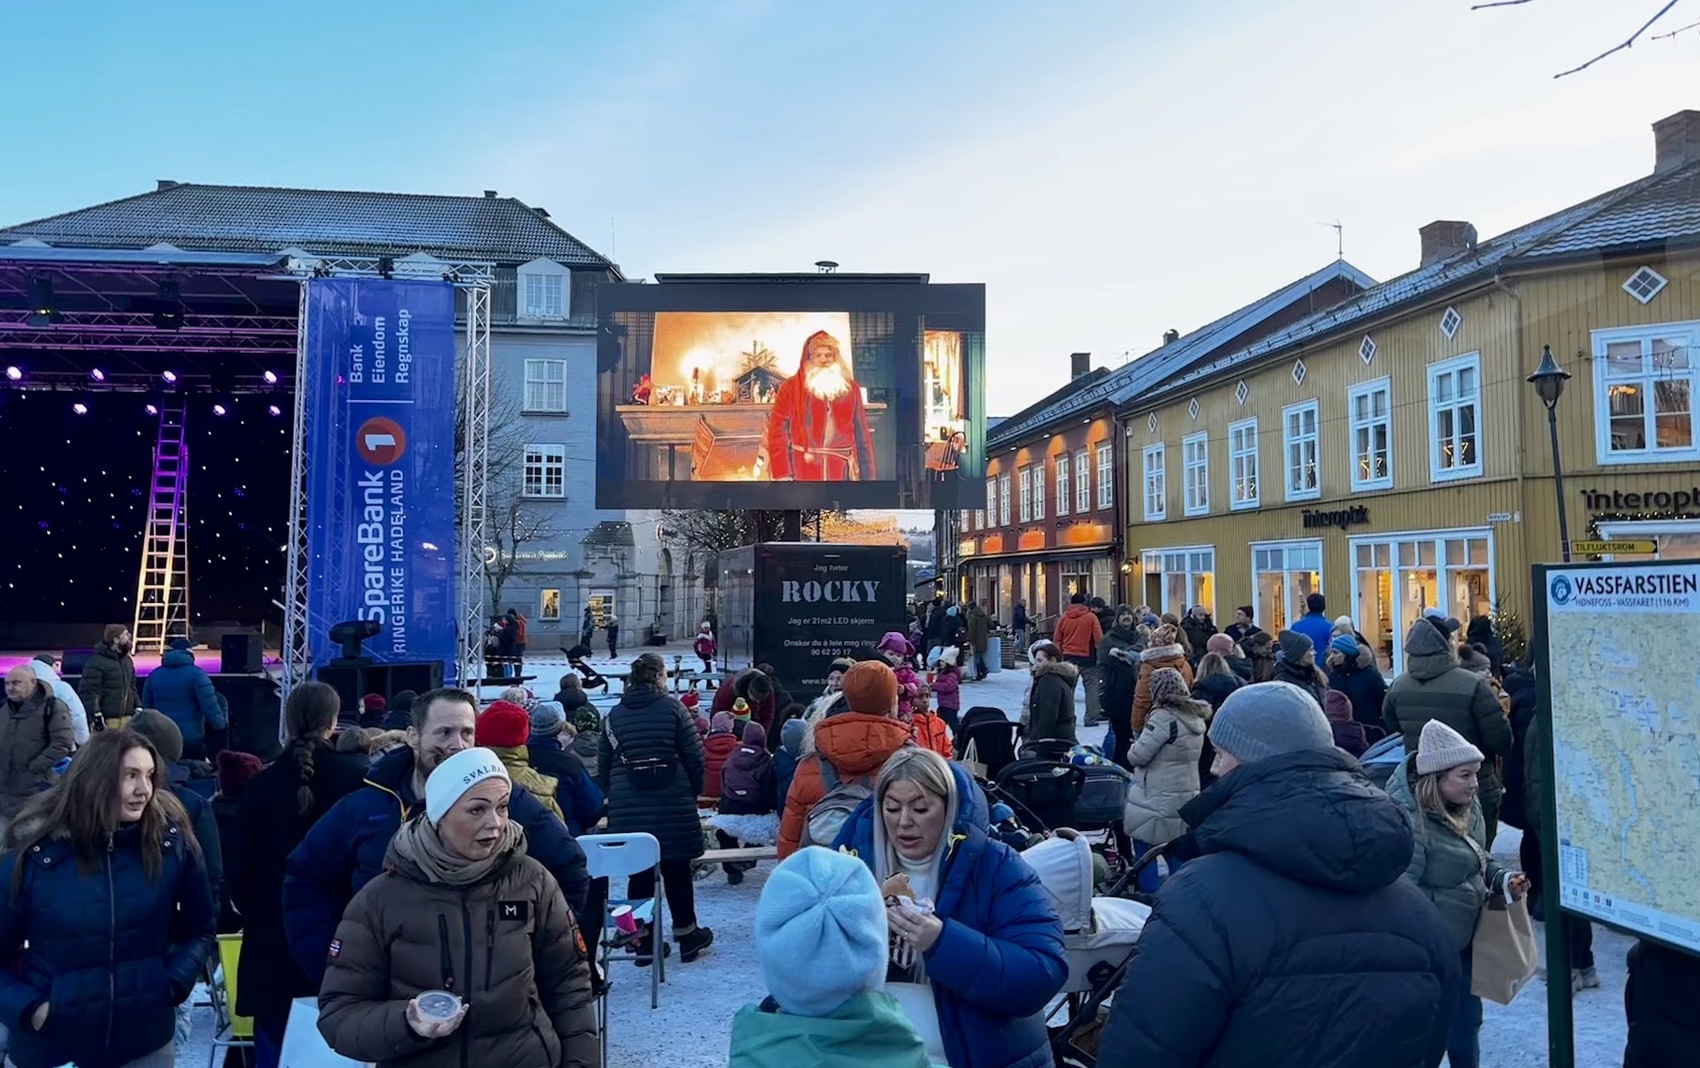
(621, 856)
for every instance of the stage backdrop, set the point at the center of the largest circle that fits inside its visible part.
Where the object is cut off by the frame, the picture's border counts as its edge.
(379, 380)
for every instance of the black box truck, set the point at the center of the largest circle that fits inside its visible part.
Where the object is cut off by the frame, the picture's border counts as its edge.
(800, 605)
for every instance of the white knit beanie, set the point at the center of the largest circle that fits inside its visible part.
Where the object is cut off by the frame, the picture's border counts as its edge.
(455, 776)
(1441, 749)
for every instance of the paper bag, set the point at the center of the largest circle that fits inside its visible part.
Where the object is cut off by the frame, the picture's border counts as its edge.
(971, 761)
(1503, 950)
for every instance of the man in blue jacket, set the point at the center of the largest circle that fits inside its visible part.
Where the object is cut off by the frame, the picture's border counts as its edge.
(1314, 624)
(345, 850)
(1291, 938)
(185, 693)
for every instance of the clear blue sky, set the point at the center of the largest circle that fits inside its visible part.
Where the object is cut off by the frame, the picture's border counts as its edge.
(1110, 169)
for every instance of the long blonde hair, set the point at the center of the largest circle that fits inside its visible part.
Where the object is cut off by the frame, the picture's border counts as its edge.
(930, 772)
(1214, 664)
(1430, 799)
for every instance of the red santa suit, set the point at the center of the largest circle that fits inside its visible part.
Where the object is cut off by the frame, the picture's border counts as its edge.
(819, 438)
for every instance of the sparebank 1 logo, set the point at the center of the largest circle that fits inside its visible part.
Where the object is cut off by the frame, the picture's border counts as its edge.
(1561, 589)
(381, 441)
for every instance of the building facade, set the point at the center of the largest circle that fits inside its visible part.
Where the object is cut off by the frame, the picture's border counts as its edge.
(1388, 453)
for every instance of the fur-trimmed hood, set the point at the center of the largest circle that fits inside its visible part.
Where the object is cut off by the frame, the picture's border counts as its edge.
(1162, 652)
(1070, 674)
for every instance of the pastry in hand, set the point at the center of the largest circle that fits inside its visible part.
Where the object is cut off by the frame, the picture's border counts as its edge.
(897, 886)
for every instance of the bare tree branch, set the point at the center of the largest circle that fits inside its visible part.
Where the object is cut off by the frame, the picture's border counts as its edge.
(1630, 43)
(1673, 33)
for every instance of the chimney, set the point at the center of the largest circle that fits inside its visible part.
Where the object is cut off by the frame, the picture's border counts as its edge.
(1171, 336)
(162, 184)
(544, 212)
(1079, 363)
(489, 194)
(1676, 141)
(1446, 237)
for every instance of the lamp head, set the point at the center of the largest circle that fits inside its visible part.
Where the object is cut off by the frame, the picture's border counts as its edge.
(1549, 378)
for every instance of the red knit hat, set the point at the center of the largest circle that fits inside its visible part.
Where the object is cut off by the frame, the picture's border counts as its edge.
(503, 725)
(690, 699)
(373, 702)
(235, 769)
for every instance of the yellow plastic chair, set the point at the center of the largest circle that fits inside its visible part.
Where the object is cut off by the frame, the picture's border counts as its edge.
(234, 1032)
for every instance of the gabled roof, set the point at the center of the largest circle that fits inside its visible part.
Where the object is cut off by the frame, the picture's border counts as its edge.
(1123, 384)
(1659, 211)
(327, 222)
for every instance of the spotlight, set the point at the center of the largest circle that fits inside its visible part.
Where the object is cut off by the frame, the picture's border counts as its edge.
(80, 408)
(218, 409)
(167, 308)
(153, 409)
(270, 377)
(352, 634)
(42, 311)
(13, 373)
(274, 409)
(170, 377)
(98, 375)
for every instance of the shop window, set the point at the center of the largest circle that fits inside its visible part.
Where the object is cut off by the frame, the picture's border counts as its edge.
(1195, 473)
(1156, 484)
(1646, 379)
(1177, 579)
(1371, 406)
(1676, 539)
(1242, 464)
(1396, 577)
(1283, 574)
(1299, 448)
(1454, 413)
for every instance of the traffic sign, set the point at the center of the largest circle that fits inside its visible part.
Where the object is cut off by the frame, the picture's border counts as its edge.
(1615, 547)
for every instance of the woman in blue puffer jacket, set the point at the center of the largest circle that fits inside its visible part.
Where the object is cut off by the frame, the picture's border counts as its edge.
(975, 972)
(104, 882)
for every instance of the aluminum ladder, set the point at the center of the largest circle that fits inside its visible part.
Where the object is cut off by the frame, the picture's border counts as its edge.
(162, 588)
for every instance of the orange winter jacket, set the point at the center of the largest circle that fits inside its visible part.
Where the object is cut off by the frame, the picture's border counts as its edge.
(1078, 632)
(931, 732)
(857, 744)
(1159, 656)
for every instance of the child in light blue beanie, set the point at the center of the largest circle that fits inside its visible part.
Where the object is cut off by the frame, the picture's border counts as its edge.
(823, 945)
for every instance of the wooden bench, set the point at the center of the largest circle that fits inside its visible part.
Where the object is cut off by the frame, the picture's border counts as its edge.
(732, 856)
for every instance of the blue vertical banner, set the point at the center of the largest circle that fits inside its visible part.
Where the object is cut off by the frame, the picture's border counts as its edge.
(379, 384)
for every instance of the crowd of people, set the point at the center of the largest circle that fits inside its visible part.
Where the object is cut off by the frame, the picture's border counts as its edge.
(413, 863)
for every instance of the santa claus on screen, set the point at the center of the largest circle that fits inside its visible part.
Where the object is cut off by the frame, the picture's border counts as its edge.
(818, 429)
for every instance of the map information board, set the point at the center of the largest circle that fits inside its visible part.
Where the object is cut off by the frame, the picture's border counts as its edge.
(1625, 694)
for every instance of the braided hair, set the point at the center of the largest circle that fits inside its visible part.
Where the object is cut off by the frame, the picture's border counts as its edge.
(311, 709)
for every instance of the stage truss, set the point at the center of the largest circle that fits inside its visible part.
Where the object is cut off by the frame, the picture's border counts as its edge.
(473, 279)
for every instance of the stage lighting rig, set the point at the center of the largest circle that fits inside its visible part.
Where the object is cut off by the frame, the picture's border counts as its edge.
(167, 308)
(14, 373)
(351, 634)
(43, 312)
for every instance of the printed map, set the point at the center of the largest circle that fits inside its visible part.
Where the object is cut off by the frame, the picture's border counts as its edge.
(1626, 737)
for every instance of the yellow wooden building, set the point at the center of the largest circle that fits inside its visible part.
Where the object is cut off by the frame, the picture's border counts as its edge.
(1388, 452)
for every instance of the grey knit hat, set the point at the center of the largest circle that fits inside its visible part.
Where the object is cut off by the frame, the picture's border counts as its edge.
(1294, 645)
(1267, 719)
(548, 717)
(1440, 748)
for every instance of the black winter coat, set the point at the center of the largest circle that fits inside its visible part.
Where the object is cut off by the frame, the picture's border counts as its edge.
(108, 684)
(649, 724)
(1293, 939)
(224, 810)
(1658, 1001)
(1515, 807)
(1118, 676)
(1215, 688)
(1304, 676)
(1364, 687)
(113, 950)
(266, 829)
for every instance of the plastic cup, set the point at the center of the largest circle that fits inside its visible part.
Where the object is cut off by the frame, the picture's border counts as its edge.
(624, 920)
(438, 1005)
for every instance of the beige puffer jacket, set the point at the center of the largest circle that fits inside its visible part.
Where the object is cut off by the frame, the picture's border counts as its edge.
(1165, 771)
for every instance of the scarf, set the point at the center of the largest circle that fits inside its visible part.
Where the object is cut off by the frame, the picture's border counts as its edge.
(419, 844)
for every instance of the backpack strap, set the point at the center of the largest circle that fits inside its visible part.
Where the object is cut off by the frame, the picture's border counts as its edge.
(829, 777)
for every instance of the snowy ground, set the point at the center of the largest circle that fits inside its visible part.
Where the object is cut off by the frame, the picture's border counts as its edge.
(692, 1027)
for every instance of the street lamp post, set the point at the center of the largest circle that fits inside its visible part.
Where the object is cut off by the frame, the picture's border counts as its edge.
(1549, 379)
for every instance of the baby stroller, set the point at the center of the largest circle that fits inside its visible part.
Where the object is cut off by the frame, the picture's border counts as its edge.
(1045, 792)
(987, 737)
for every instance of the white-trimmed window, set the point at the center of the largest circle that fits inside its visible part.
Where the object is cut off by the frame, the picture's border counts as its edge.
(1371, 406)
(1176, 579)
(543, 287)
(1195, 473)
(1064, 486)
(1242, 464)
(1646, 377)
(1156, 484)
(991, 502)
(1026, 494)
(1106, 477)
(1454, 418)
(1003, 499)
(549, 603)
(1283, 575)
(1082, 483)
(1299, 451)
(545, 471)
(1039, 490)
(545, 385)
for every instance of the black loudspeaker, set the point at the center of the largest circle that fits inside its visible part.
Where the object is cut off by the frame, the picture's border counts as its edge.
(254, 713)
(354, 681)
(74, 661)
(239, 654)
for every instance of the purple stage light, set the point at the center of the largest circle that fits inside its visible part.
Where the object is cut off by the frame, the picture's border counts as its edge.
(153, 409)
(80, 408)
(13, 372)
(270, 377)
(169, 376)
(218, 409)
(274, 409)
(98, 375)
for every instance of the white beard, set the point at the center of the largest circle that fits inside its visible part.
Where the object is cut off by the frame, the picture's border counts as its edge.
(827, 383)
